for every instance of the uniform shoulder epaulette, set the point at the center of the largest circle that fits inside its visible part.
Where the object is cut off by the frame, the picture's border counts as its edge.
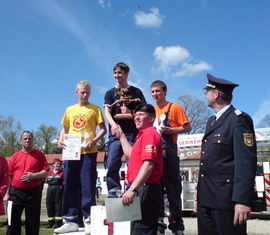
(238, 112)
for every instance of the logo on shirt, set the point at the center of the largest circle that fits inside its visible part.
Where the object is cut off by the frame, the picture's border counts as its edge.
(150, 148)
(79, 121)
(248, 139)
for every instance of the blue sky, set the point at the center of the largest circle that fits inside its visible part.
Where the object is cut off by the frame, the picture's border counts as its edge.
(47, 46)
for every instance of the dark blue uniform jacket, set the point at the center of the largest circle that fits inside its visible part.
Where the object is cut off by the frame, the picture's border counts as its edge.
(228, 161)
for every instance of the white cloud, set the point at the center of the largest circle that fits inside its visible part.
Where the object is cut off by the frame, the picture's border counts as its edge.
(149, 20)
(262, 111)
(192, 69)
(103, 3)
(179, 59)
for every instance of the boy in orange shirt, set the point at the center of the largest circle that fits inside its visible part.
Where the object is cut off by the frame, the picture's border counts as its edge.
(171, 121)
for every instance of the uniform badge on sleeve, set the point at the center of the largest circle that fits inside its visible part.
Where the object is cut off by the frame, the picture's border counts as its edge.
(248, 139)
(150, 148)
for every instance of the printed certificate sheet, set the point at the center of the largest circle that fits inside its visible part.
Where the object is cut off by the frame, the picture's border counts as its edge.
(72, 151)
(117, 212)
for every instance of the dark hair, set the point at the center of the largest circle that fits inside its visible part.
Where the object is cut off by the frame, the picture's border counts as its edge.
(31, 133)
(226, 96)
(122, 66)
(159, 83)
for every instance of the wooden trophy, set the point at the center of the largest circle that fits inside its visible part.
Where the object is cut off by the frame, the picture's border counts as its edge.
(123, 100)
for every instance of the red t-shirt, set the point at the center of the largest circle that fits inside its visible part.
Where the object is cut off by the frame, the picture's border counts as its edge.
(148, 146)
(22, 162)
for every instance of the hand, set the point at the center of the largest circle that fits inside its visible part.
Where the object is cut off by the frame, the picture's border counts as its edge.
(241, 214)
(28, 176)
(60, 144)
(127, 197)
(90, 144)
(124, 109)
(166, 130)
(5, 199)
(115, 130)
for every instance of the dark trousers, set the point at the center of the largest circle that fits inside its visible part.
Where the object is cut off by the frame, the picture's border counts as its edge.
(54, 202)
(171, 181)
(30, 201)
(150, 199)
(218, 222)
(113, 162)
(79, 176)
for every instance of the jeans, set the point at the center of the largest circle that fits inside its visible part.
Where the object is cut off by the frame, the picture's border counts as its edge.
(113, 162)
(79, 176)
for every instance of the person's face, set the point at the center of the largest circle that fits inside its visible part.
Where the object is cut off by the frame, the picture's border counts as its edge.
(57, 166)
(143, 120)
(211, 96)
(120, 75)
(83, 94)
(158, 94)
(27, 141)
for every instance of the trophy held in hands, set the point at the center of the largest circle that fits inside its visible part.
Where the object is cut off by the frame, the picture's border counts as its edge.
(123, 100)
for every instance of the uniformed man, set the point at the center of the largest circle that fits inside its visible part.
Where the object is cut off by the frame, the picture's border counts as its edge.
(55, 180)
(228, 164)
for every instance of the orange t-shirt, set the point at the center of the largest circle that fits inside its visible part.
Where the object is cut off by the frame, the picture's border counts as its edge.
(177, 116)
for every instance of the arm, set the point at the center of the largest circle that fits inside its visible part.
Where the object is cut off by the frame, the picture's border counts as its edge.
(245, 157)
(179, 120)
(176, 130)
(4, 183)
(100, 134)
(109, 118)
(29, 176)
(144, 173)
(60, 142)
(124, 142)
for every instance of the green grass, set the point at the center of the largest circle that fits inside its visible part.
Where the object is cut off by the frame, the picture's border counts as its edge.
(42, 231)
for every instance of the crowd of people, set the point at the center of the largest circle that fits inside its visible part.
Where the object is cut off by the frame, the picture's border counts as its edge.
(147, 136)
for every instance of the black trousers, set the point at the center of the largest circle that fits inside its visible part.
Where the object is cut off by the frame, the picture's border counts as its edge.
(54, 202)
(150, 199)
(218, 222)
(30, 201)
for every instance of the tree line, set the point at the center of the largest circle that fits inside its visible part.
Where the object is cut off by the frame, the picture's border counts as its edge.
(45, 137)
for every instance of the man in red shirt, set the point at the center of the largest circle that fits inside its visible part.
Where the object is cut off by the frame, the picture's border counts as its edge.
(26, 169)
(145, 169)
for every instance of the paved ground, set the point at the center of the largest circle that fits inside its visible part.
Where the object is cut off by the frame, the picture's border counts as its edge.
(255, 226)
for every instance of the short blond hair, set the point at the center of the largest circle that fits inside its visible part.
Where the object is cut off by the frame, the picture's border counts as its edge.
(83, 83)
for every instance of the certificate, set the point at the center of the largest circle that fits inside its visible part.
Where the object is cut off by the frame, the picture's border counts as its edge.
(117, 212)
(72, 150)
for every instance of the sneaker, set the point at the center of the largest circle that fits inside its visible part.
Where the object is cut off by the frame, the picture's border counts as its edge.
(87, 226)
(67, 228)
